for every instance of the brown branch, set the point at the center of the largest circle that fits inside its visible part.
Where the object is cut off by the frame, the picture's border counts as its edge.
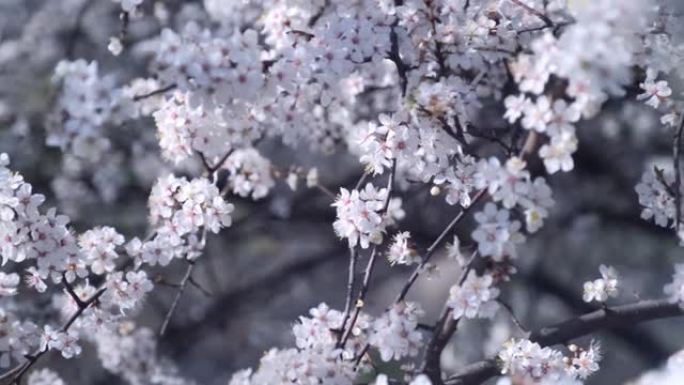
(611, 317)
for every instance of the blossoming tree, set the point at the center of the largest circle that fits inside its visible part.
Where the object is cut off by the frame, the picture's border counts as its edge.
(472, 106)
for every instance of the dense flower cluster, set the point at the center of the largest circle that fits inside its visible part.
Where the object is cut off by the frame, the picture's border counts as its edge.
(525, 360)
(180, 207)
(405, 86)
(132, 353)
(361, 215)
(184, 129)
(319, 358)
(476, 297)
(249, 173)
(512, 185)
(402, 251)
(87, 103)
(601, 289)
(496, 234)
(395, 333)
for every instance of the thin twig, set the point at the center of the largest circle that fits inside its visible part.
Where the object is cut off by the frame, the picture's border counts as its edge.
(435, 244)
(535, 12)
(199, 287)
(351, 283)
(181, 288)
(15, 375)
(362, 179)
(514, 318)
(150, 94)
(365, 284)
(676, 148)
(360, 301)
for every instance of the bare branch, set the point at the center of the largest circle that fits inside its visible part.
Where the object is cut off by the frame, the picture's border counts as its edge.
(160, 91)
(181, 288)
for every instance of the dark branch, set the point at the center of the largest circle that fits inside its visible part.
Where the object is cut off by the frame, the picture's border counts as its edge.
(181, 288)
(160, 91)
(612, 317)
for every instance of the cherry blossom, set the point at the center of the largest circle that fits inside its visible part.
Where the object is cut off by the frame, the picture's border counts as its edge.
(601, 289)
(475, 298)
(395, 333)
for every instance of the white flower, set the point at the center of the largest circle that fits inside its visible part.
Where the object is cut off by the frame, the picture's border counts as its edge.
(654, 92)
(401, 251)
(586, 362)
(395, 333)
(115, 46)
(44, 377)
(557, 154)
(496, 235)
(515, 106)
(59, 340)
(656, 201)
(312, 178)
(381, 379)
(475, 298)
(99, 247)
(537, 115)
(8, 284)
(421, 379)
(675, 289)
(359, 216)
(526, 359)
(601, 289)
(250, 174)
(35, 280)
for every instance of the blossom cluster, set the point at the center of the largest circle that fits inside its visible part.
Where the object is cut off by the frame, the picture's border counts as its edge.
(525, 360)
(403, 86)
(395, 333)
(601, 289)
(656, 196)
(363, 215)
(592, 74)
(320, 358)
(86, 104)
(210, 130)
(475, 298)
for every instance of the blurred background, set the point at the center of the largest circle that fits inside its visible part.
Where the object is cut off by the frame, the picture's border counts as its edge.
(281, 256)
